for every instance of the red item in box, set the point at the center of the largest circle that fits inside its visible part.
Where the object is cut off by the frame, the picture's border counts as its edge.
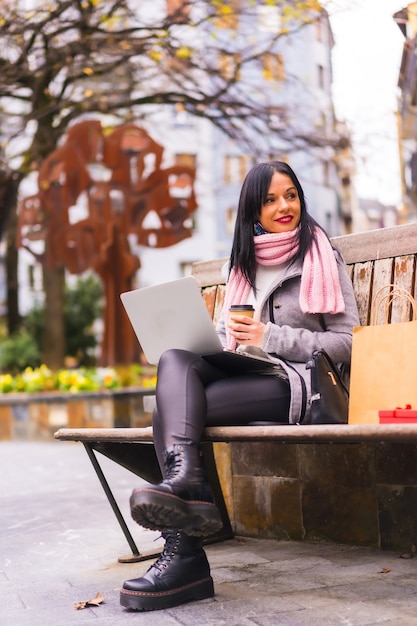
(398, 416)
(386, 416)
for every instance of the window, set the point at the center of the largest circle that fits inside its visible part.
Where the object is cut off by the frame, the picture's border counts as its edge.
(35, 278)
(326, 173)
(319, 32)
(181, 116)
(31, 277)
(277, 118)
(273, 66)
(234, 169)
(189, 160)
(321, 76)
(329, 223)
(279, 157)
(230, 219)
(321, 121)
(269, 18)
(229, 66)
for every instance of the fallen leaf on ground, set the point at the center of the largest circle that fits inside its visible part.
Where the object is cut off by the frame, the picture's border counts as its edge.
(384, 570)
(94, 602)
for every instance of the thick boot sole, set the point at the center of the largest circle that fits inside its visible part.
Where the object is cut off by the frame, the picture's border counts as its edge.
(163, 511)
(148, 601)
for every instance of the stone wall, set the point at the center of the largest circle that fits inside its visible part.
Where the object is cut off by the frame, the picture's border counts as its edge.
(359, 494)
(37, 416)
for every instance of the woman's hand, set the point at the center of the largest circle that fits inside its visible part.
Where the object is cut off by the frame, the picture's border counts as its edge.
(246, 330)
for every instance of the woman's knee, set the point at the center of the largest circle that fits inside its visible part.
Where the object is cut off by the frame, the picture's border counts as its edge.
(183, 363)
(176, 357)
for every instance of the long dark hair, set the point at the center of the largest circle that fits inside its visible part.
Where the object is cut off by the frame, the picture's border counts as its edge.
(253, 196)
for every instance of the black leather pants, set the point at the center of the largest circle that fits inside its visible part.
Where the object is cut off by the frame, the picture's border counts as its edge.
(192, 394)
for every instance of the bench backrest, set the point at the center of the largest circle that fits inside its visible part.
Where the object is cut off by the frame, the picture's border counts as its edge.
(374, 258)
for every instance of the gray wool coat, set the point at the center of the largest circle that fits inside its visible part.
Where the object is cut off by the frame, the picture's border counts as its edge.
(293, 335)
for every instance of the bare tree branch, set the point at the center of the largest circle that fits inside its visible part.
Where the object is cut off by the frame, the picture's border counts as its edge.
(65, 59)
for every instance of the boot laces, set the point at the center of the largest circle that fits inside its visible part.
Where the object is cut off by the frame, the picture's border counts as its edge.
(174, 464)
(169, 551)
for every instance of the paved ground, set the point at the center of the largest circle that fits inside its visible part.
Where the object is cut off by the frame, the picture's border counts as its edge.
(60, 542)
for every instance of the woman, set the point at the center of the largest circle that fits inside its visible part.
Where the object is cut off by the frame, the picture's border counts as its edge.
(283, 263)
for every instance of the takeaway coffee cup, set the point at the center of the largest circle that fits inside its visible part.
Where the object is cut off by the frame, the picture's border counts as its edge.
(242, 309)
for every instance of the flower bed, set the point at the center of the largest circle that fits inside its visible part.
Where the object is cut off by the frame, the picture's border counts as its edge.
(77, 380)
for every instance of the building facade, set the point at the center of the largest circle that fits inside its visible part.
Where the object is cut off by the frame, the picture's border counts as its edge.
(407, 111)
(294, 79)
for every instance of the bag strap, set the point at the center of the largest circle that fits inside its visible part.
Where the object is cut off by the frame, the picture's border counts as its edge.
(271, 307)
(383, 301)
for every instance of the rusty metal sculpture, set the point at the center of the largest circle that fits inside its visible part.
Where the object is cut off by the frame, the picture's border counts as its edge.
(117, 180)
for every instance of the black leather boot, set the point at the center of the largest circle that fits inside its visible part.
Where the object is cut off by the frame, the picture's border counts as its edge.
(181, 574)
(182, 500)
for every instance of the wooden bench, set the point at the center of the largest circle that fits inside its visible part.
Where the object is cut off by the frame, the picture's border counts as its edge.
(363, 494)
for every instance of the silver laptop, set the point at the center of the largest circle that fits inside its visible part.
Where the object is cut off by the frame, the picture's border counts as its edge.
(171, 315)
(174, 315)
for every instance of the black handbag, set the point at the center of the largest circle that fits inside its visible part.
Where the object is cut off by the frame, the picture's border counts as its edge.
(329, 394)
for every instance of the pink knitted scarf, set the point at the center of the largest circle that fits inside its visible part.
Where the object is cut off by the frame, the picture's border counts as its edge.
(320, 290)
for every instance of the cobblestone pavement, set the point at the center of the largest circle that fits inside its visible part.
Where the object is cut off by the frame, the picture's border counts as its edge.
(60, 544)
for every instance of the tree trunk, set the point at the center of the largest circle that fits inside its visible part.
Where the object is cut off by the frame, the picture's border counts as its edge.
(9, 184)
(12, 256)
(53, 348)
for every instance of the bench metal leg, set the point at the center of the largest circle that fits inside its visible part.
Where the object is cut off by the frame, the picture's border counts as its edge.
(136, 555)
(140, 458)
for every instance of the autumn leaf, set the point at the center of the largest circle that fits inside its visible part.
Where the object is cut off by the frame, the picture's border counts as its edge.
(183, 52)
(94, 602)
(384, 570)
(155, 55)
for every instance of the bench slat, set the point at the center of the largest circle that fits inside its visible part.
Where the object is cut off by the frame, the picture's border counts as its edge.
(379, 243)
(383, 274)
(362, 284)
(209, 273)
(404, 269)
(323, 433)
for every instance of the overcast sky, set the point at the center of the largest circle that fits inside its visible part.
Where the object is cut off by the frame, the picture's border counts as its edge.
(366, 61)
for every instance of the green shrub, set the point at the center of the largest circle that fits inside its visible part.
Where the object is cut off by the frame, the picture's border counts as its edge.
(82, 306)
(18, 352)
